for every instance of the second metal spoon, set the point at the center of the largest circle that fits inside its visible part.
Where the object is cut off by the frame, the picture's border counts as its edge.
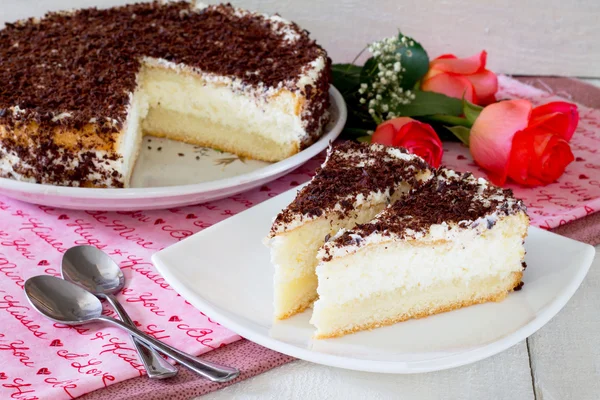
(95, 271)
(67, 303)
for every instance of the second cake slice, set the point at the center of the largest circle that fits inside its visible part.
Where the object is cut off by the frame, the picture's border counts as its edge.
(454, 242)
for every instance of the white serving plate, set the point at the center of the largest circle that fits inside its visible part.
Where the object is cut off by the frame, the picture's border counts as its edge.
(225, 272)
(178, 175)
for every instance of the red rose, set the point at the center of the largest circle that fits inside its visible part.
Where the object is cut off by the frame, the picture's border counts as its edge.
(419, 138)
(458, 77)
(529, 145)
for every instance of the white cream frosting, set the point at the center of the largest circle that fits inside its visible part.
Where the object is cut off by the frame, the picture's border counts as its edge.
(435, 232)
(10, 159)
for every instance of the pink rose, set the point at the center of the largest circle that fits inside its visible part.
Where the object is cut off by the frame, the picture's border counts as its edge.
(529, 145)
(417, 137)
(458, 77)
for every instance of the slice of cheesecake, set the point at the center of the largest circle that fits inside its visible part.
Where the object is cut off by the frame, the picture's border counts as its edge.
(355, 183)
(454, 242)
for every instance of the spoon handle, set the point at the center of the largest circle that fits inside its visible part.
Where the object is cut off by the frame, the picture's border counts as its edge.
(212, 371)
(156, 366)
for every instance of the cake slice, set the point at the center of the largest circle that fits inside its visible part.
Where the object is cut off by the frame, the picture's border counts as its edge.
(454, 242)
(80, 88)
(355, 183)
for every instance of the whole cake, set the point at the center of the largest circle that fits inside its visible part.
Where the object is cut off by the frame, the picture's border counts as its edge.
(355, 182)
(79, 89)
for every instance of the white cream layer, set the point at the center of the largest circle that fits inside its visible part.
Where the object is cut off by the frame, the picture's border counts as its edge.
(390, 264)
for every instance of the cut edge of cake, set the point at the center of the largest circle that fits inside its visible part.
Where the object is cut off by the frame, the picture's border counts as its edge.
(411, 262)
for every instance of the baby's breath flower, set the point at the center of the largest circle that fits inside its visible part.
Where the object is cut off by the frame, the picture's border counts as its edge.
(384, 93)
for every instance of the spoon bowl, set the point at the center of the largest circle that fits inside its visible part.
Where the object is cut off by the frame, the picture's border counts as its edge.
(95, 271)
(92, 269)
(62, 301)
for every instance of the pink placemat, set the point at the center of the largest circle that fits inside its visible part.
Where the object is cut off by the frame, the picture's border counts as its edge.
(41, 359)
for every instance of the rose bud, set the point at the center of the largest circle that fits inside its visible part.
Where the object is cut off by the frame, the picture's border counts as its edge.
(417, 137)
(462, 77)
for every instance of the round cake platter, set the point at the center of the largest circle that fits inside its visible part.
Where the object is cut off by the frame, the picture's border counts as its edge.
(174, 174)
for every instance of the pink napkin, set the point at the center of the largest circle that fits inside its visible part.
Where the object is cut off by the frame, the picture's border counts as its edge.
(41, 359)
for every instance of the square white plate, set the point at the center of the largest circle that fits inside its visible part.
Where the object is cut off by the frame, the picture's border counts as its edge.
(225, 272)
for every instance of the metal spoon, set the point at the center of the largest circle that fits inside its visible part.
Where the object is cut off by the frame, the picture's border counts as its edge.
(69, 304)
(95, 271)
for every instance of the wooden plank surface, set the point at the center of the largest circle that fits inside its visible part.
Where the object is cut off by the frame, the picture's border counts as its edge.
(522, 37)
(505, 376)
(565, 354)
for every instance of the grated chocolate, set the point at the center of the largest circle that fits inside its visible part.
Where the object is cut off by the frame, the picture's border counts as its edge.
(446, 198)
(351, 169)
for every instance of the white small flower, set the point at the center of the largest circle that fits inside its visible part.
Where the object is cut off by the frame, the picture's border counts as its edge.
(388, 79)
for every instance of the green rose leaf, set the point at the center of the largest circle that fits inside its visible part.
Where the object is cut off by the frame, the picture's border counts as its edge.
(461, 132)
(471, 111)
(346, 77)
(414, 60)
(369, 70)
(430, 103)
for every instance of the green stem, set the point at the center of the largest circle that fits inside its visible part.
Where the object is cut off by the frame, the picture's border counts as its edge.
(448, 120)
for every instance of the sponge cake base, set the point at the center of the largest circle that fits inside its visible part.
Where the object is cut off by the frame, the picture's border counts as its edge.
(388, 308)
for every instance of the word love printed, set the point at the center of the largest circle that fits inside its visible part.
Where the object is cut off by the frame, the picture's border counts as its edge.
(86, 365)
